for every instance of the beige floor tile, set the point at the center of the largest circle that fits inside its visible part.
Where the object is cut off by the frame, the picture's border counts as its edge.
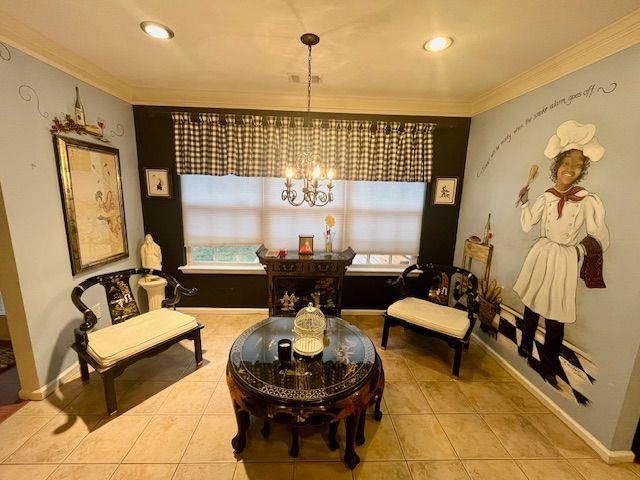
(382, 471)
(167, 368)
(568, 443)
(494, 470)
(446, 397)
(164, 440)
(548, 469)
(84, 472)
(276, 447)
(405, 397)
(520, 437)
(47, 407)
(254, 471)
(16, 430)
(523, 401)
(395, 369)
(211, 442)
(25, 472)
(212, 370)
(220, 401)
(188, 398)
(55, 440)
(110, 441)
(205, 471)
(142, 398)
(321, 471)
(471, 437)
(422, 438)
(481, 367)
(381, 441)
(438, 470)
(156, 471)
(90, 400)
(500, 397)
(314, 445)
(428, 366)
(596, 469)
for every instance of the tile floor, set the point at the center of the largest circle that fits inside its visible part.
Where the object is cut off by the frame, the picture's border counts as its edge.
(176, 422)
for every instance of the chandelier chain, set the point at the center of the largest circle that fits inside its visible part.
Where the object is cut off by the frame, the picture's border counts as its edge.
(309, 86)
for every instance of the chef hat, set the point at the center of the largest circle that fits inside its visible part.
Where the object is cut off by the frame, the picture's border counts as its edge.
(572, 135)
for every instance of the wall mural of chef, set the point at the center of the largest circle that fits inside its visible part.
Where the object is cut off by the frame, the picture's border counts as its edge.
(573, 237)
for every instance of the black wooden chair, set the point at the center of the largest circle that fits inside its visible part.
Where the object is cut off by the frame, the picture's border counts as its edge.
(432, 302)
(131, 335)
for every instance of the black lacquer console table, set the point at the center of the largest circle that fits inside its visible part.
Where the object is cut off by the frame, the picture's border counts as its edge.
(338, 384)
(296, 280)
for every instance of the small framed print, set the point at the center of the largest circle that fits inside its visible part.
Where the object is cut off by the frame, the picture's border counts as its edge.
(305, 244)
(158, 182)
(444, 191)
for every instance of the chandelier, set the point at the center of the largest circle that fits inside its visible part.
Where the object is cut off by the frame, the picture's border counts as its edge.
(308, 166)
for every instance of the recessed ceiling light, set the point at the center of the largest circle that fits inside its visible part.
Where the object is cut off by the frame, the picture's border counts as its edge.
(156, 30)
(438, 44)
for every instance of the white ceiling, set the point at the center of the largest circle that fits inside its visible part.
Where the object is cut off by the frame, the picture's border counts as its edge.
(368, 48)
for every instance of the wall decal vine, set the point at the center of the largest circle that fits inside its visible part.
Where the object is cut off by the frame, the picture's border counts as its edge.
(118, 132)
(5, 53)
(27, 93)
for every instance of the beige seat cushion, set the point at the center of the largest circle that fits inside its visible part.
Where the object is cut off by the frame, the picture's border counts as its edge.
(111, 344)
(447, 320)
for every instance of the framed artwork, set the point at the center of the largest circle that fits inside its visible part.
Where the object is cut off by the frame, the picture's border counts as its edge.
(91, 190)
(158, 182)
(444, 191)
(305, 244)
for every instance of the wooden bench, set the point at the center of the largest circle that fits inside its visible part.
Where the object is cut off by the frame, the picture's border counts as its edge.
(131, 336)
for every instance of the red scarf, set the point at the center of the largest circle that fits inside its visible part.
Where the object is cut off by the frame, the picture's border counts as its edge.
(569, 195)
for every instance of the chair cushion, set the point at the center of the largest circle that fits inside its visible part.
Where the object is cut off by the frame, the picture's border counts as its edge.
(116, 342)
(439, 318)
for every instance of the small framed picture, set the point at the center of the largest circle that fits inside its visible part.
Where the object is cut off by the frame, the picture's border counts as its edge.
(158, 182)
(305, 244)
(444, 191)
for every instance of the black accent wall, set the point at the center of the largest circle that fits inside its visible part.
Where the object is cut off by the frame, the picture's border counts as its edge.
(163, 217)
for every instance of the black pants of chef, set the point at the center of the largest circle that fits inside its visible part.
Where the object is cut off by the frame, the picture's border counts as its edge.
(554, 334)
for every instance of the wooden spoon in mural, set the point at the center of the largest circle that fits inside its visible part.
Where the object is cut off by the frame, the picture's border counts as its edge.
(524, 191)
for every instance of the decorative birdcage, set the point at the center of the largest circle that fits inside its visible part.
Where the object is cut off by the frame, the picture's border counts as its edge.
(309, 326)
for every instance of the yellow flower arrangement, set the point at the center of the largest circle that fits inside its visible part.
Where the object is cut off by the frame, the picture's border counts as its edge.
(330, 221)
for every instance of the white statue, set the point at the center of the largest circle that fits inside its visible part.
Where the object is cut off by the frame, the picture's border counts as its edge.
(150, 254)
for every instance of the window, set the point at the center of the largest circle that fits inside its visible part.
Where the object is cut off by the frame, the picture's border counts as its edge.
(227, 218)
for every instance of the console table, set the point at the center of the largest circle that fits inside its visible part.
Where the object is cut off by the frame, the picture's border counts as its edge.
(296, 280)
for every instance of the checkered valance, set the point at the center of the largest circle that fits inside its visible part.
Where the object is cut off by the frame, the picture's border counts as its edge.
(263, 146)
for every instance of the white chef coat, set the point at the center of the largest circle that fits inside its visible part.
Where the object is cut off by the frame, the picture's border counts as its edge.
(549, 276)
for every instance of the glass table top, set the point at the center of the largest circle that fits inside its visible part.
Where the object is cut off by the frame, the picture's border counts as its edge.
(343, 366)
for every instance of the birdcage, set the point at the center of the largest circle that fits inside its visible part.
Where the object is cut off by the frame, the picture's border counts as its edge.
(309, 327)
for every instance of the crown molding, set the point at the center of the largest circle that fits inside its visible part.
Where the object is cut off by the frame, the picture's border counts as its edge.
(276, 101)
(30, 41)
(621, 34)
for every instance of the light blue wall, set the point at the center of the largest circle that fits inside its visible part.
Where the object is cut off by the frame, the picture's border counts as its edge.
(32, 197)
(607, 328)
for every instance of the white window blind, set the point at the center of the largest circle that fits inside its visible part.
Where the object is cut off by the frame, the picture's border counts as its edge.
(371, 217)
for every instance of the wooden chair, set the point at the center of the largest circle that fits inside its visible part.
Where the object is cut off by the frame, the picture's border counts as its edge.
(131, 335)
(424, 305)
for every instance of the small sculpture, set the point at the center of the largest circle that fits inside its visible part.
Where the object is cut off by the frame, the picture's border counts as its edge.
(150, 254)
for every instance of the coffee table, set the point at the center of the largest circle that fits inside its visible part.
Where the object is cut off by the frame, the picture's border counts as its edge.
(338, 384)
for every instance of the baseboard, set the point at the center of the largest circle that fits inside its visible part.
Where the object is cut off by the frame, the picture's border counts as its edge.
(46, 390)
(609, 456)
(264, 311)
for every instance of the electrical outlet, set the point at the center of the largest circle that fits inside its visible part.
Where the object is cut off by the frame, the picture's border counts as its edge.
(97, 310)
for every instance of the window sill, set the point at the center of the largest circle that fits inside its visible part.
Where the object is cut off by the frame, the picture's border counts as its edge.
(352, 271)
(223, 269)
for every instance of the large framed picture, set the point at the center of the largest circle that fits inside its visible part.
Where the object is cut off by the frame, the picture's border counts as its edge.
(445, 190)
(158, 182)
(91, 189)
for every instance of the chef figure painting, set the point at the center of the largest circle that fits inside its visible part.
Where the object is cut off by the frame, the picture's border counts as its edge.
(573, 237)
